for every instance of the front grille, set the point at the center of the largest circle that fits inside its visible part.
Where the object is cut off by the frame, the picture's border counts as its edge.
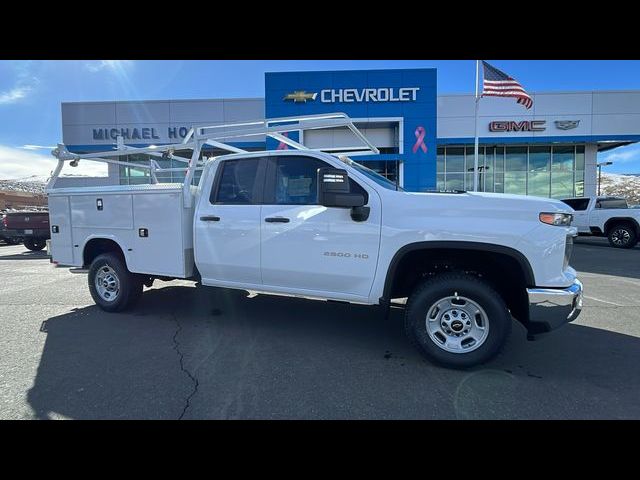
(568, 249)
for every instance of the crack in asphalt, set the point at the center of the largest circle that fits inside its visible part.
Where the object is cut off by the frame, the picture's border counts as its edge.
(176, 347)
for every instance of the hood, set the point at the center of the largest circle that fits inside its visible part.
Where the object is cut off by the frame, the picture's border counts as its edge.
(551, 204)
(486, 203)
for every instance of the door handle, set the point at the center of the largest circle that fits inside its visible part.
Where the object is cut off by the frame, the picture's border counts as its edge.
(276, 220)
(210, 218)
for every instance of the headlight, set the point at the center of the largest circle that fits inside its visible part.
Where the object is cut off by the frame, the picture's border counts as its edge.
(560, 219)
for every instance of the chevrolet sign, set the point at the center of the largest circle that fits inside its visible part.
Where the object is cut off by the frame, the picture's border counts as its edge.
(356, 95)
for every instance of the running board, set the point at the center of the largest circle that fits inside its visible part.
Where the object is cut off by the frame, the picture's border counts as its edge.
(79, 270)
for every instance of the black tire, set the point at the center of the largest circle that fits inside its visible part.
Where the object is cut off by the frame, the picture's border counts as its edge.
(34, 244)
(427, 294)
(130, 284)
(622, 235)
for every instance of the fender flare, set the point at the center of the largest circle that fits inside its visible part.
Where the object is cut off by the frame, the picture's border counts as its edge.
(104, 237)
(614, 220)
(459, 245)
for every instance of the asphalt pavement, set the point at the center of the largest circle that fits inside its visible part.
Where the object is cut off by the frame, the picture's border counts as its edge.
(205, 353)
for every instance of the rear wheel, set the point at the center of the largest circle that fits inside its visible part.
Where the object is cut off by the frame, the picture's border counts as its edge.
(457, 320)
(35, 244)
(622, 235)
(112, 286)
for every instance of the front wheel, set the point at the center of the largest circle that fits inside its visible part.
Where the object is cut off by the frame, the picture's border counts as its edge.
(622, 235)
(112, 286)
(34, 244)
(457, 320)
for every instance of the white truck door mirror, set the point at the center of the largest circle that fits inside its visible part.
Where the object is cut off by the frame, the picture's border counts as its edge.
(334, 189)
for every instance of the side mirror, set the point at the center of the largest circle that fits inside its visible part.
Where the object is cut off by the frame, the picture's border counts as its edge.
(334, 190)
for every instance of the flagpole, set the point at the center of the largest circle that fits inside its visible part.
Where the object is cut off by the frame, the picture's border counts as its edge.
(475, 145)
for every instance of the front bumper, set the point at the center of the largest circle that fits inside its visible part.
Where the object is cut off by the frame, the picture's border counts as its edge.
(550, 308)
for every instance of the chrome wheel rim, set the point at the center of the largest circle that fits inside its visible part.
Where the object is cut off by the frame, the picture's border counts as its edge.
(107, 283)
(457, 324)
(620, 237)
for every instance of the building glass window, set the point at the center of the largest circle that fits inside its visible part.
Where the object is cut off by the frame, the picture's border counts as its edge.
(455, 159)
(539, 181)
(455, 181)
(489, 169)
(562, 169)
(470, 166)
(579, 176)
(131, 175)
(440, 160)
(540, 170)
(499, 170)
(386, 168)
(515, 173)
(454, 168)
(134, 176)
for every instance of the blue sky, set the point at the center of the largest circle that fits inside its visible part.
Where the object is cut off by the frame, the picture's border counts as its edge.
(31, 91)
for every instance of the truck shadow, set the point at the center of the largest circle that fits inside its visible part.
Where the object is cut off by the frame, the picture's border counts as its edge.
(294, 358)
(598, 257)
(26, 255)
(599, 242)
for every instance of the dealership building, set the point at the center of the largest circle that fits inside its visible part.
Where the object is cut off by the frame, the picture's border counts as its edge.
(425, 138)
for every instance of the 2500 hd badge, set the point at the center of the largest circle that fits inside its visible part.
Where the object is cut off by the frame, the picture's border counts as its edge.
(363, 256)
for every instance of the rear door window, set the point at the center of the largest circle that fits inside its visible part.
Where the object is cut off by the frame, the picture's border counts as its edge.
(612, 203)
(238, 183)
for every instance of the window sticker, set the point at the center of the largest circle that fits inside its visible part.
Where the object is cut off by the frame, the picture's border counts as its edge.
(299, 187)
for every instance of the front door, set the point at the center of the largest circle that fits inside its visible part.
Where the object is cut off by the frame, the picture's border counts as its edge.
(309, 248)
(227, 225)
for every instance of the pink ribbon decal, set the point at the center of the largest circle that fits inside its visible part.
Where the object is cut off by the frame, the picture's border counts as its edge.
(420, 133)
(283, 146)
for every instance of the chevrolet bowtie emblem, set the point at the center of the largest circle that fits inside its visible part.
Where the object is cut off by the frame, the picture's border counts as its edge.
(567, 124)
(300, 96)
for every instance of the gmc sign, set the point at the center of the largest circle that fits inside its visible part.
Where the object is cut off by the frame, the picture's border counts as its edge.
(511, 126)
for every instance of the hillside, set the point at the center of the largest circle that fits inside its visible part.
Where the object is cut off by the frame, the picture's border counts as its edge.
(34, 185)
(627, 186)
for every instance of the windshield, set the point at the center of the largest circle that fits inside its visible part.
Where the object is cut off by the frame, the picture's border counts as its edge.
(376, 177)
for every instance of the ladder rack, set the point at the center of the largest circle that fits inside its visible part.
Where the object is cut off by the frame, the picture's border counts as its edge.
(217, 136)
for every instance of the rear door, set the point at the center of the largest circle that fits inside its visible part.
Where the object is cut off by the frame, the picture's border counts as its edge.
(309, 248)
(606, 208)
(227, 224)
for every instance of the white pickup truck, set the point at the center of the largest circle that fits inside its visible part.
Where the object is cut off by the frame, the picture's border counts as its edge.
(608, 217)
(318, 225)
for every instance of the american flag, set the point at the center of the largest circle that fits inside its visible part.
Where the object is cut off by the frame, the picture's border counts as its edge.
(499, 84)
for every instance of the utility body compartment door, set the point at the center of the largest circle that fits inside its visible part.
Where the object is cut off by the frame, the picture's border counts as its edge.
(157, 244)
(60, 221)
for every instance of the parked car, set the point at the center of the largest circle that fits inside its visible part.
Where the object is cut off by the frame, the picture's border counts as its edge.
(608, 217)
(31, 226)
(8, 236)
(313, 224)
